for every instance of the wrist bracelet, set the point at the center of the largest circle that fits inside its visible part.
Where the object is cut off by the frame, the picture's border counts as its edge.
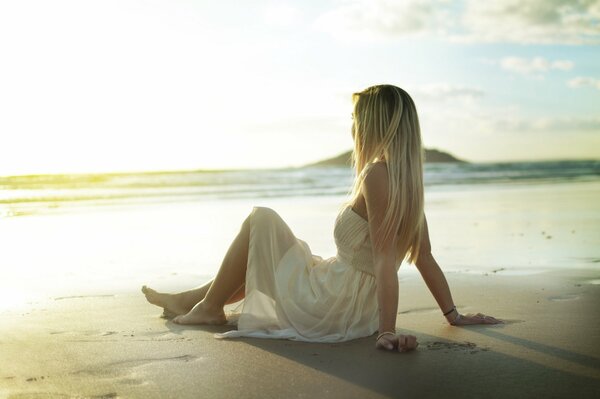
(450, 311)
(384, 333)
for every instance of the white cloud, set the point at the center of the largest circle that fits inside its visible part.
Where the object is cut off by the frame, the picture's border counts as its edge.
(547, 124)
(563, 65)
(582, 81)
(477, 131)
(531, 21)
(536, 65)
(382, 19)
(471, 21)
(445, 91)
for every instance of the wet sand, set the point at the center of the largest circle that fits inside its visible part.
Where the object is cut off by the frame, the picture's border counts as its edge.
(110, 346)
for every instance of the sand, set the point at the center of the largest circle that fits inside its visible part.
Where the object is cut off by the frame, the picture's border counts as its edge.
(116, 346)
(73, 323)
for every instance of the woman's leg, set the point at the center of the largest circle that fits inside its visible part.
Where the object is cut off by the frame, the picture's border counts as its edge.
(183, 302)
(238, 296)
(226, 285)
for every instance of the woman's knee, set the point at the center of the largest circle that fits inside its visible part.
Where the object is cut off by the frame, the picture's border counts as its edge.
(260, 214)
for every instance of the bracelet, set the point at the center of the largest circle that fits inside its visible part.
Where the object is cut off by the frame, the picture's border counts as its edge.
(384, 333)
(450, 311)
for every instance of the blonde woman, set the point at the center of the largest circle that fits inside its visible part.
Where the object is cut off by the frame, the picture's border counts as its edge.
(290, 293)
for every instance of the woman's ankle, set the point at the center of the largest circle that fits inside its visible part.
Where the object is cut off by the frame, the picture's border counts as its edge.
(211, 307)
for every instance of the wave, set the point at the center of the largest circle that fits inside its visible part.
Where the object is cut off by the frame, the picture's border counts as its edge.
(32, 193)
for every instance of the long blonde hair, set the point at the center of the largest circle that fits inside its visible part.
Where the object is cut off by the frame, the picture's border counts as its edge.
(386, 126)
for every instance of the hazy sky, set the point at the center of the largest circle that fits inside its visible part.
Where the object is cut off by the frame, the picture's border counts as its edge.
(144, 85)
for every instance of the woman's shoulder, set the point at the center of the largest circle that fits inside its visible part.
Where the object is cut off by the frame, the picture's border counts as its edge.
(375, 172)
(371, 165)
(375, 179)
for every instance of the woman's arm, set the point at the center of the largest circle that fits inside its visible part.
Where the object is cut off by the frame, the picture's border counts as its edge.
(375, 191)
(433, 275)
(437, 284)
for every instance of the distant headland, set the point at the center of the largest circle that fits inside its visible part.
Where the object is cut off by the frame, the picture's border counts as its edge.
(431, 156)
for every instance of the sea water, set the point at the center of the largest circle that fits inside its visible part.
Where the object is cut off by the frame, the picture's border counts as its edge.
(84, 234)
(22, 195)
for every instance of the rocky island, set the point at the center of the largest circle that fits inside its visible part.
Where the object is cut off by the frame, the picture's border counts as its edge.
(431, 156)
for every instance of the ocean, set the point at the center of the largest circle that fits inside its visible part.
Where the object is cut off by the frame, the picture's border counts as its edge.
(105, 234)
(32, 194)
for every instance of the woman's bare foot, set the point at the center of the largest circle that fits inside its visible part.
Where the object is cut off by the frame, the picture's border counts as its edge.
(171, 304)
(167, 314)
(202, 314)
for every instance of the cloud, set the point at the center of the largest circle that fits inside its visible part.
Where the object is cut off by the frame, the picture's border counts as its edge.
(470, 21)
(582, 81)
(445, 91)
(531, 21)
(381, 19)
(480, 131)
(551, 124)
(480, 121)
(534, 66)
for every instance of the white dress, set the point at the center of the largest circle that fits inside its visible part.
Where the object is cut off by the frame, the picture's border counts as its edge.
(293, 294)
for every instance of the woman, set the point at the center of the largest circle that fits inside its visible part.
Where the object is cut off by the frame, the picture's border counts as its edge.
(290, 293)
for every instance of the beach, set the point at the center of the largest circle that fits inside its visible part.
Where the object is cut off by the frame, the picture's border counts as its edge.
(116, 346)
(73, 322)
(137, 137)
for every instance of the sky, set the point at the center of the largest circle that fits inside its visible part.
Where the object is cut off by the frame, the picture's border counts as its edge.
(131, 85)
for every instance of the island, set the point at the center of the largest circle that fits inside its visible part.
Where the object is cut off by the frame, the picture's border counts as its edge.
(431, 156)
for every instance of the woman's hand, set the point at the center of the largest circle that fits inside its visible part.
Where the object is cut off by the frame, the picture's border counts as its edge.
(470, 318)
(401, 343)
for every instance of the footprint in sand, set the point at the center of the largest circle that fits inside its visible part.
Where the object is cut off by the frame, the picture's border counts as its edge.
(131, 380)
(113, 368)
(32, 379)
(91, 333)
(163, 336)
(466, 347)
(132, 372)
(565, 297)
(109, 395)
